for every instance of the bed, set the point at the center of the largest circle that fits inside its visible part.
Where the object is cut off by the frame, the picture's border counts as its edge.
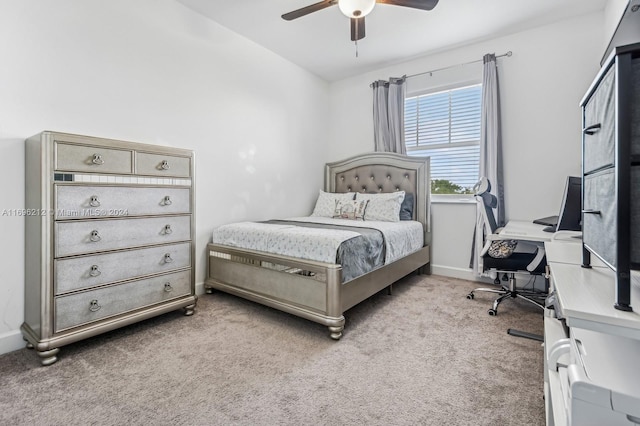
(317, 290)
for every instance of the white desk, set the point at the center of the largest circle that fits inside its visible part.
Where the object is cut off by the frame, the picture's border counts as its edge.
(524, 230)
(591, 374)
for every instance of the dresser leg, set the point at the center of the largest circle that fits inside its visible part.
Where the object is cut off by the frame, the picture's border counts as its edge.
(190, 309)
(28, 345)
(336, 332)
(48, 357)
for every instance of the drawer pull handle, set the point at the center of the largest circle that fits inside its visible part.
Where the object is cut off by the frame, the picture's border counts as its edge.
(166, 201)
(165, 165)
(94, 271)
(93, 306)
(167, 229)
(94, 202)
(167, 258)
(94, 236)
(592, 212)
(97, 159)
(168, 288)
(593, 129)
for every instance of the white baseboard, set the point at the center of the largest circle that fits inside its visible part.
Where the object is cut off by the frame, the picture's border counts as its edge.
(11, 341)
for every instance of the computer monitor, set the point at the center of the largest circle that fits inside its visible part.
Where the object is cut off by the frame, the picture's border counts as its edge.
(570, 216)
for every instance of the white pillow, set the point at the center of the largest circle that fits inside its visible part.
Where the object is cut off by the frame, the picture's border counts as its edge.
(384, 207)
(352, 209)
(326, 202)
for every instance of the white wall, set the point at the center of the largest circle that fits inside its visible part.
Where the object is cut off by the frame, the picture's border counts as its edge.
(541, 86)
(153, 71)
(613, 11)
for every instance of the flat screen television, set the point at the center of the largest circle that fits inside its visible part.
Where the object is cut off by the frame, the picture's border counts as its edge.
(570, 217)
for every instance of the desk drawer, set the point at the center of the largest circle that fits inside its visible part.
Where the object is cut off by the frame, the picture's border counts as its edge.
(98, 201)
(95, 235)
(82, 308)
(80, 158)
(163, 165)
(77, 273)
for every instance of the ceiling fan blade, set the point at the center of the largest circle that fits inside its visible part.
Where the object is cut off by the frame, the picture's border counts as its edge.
(308, 9)
(416, 4)
(357, 28)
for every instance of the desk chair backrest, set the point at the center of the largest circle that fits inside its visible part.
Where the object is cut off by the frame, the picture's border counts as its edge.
(489, 202)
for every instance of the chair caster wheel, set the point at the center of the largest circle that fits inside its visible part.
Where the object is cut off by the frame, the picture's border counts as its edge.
(470, 296)
(496, 281)
(492, 312)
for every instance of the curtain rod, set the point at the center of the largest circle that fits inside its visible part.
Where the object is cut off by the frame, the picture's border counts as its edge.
(458, 65)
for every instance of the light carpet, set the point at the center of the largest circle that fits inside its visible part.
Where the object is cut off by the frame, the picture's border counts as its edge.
(423, 356)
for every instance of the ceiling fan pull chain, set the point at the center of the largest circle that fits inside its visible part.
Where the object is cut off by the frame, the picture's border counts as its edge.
(356, 37)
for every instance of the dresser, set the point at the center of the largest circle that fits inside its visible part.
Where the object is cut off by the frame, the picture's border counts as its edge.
(110, 232)
(611, 168)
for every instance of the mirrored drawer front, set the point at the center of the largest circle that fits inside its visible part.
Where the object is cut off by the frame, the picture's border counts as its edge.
(92, 236)
(76, 273)
(599, 121)
(99, 201)
(600, 224)
(81, 308)
(93, 159)
(162, 165)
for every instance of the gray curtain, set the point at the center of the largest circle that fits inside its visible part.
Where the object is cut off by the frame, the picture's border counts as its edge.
(490, 153)
(388, 115)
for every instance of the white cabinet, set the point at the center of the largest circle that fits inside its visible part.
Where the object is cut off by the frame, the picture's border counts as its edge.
(109, 236)
(592, 350)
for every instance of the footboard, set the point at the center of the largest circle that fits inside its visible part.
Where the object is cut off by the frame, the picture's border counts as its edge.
(305, 288)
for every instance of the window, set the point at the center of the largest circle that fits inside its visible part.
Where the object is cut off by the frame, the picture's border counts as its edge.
(445, 126)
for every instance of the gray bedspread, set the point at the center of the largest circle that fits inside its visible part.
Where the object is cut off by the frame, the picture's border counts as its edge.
(357, 255)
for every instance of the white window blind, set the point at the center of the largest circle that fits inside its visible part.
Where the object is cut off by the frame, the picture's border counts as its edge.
(445, 126)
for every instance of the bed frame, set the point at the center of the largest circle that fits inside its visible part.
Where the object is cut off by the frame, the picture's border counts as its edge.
(314, 290)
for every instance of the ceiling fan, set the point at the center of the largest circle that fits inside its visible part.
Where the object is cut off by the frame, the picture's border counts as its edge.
(356, 10)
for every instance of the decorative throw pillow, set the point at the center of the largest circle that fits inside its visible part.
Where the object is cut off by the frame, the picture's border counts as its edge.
(384, 207)
(502, 248)
(406, 208)
(352, 209)
(326, 202)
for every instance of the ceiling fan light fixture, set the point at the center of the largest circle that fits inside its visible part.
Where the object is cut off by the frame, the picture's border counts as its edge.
(356, 8)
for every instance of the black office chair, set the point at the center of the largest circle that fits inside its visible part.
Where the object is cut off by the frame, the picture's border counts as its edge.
(507, 256)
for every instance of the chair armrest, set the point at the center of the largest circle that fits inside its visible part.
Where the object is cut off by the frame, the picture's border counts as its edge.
(536, 260)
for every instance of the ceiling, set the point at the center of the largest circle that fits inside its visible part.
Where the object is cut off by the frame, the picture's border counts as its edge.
(320, 42)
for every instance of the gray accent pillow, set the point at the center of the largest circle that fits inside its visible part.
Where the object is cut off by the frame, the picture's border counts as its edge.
(406, 208)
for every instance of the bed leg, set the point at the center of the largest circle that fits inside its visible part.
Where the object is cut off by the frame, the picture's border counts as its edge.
(390, 289)
(336, 331)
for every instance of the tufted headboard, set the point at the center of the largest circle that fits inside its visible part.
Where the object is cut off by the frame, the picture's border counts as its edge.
(385, 172)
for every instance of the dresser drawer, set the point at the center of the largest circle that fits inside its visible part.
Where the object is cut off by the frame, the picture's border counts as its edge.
(81, 308)
(77, 237)
(162, 165)
(635, 107)
(77, 273)
(96, 201)
(635, 214)
(600, 227)
(80, 158)
(599, 142)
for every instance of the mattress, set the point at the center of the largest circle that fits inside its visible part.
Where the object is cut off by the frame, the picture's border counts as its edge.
(358, 246)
